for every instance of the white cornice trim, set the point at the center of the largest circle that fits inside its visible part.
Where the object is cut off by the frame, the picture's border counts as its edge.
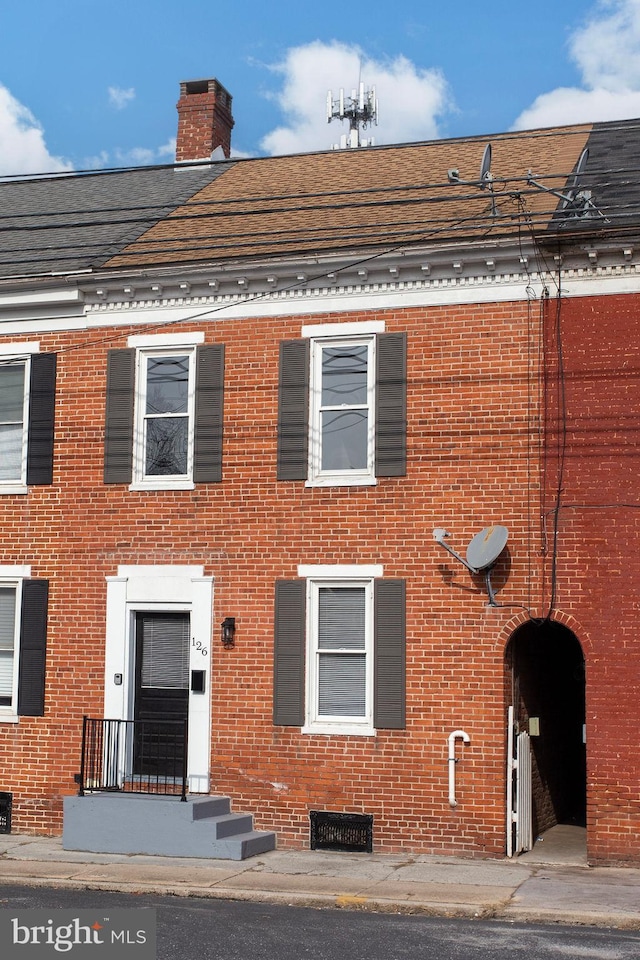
(411, 284)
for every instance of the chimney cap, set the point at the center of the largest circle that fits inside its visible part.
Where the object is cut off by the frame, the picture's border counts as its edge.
(189, 88)
(205, 120)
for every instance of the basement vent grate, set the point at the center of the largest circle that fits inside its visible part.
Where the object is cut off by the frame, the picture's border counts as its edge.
(341, 831)
(6, 801)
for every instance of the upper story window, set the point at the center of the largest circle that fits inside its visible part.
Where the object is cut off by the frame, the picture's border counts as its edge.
(342, 405)
(164, 442)
(164, 413)
(27, 413)
(342, 412)
(13, 418)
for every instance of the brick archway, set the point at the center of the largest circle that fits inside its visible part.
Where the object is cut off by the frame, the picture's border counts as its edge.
(545, 683)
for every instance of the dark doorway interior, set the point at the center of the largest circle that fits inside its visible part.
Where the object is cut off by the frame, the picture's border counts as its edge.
(545, 670)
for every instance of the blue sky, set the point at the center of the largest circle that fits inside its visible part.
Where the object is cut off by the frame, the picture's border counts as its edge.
(88, 84)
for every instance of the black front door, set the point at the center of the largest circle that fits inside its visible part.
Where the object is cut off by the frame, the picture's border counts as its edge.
(161, 694)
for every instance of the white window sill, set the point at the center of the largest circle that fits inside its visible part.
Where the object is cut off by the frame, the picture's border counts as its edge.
(13, 488)
(166, 484)
(8, 717)
(340, 729)
(342, 481)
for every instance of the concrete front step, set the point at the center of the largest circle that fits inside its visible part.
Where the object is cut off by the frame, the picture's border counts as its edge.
(202, 827)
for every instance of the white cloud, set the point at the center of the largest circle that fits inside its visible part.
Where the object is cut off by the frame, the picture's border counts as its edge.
(119, 98)
(411, 99)
(22, 144)
(606, 51)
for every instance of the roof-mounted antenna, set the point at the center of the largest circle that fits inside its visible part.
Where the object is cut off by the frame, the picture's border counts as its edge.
(482, 552)
(361, 110)
(576, 203)
(484, 181)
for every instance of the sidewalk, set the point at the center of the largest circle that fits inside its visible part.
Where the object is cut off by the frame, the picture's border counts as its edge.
(439, 886)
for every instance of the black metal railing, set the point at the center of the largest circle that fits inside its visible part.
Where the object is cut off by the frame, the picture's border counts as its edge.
(134, 756)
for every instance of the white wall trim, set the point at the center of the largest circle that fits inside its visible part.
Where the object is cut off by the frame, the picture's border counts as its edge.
(187, 339)
(362, 329)
(19, 349)
(20, 570)
(340, 571)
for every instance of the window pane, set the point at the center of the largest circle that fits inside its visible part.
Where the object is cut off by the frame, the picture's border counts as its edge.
(341, 685)
(344, 375)
(165, 652)
(167, 384)
(166, 447)
(7, 638)
(341, 618)
(11, 393)
(344, 440)
(11, 452)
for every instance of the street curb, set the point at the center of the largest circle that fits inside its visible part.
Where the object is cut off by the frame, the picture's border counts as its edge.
(502, 912)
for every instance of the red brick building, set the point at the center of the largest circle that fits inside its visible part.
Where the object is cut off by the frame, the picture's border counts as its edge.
(236, 399)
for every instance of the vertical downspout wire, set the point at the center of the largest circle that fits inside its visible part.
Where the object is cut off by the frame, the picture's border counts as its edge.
(561, 444)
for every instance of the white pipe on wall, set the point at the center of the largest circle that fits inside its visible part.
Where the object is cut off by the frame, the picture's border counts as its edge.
(455, 735)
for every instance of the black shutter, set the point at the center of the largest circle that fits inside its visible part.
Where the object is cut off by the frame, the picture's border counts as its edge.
(33, 644)
(391, 405)
(389, 655)
(289, 653)
(293, 410)
(42, 395)
(207, 448)
(118, 439)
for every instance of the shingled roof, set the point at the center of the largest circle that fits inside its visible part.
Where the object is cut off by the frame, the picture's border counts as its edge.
(343, 201)
(70, 223)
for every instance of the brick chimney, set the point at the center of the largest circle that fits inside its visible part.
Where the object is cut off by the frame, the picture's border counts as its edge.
(204, 120)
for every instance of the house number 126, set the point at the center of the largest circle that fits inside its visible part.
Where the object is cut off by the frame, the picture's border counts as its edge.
(198, 644)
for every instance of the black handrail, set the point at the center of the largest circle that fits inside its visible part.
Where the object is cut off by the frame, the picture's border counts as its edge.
(134, 756)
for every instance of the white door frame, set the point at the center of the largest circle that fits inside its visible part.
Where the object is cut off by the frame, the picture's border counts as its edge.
(158, 588)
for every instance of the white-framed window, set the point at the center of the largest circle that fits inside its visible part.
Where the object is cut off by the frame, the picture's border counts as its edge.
(163, 448)
(10, 597)
(23, 643)
(14, 407)
(27, 416)
(339, 650)
(340, 656)
(164, 412)
(342, 412)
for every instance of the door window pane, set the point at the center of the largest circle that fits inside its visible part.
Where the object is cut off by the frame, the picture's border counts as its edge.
(165, 652)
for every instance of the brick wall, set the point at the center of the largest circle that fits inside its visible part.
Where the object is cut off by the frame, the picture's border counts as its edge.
(473, 436)
(594, 342)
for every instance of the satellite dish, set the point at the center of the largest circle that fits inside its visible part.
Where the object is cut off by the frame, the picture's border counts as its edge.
(582, 162)
(486, 547)
(485, 167)
(482, 552)
(572, 183)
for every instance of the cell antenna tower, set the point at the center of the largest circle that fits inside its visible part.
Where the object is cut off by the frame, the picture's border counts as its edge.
(360, 109)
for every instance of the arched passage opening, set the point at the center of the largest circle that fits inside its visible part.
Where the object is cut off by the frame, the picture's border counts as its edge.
(545, 673)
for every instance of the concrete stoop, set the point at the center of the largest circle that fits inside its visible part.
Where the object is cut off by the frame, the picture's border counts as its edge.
(201, 827)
